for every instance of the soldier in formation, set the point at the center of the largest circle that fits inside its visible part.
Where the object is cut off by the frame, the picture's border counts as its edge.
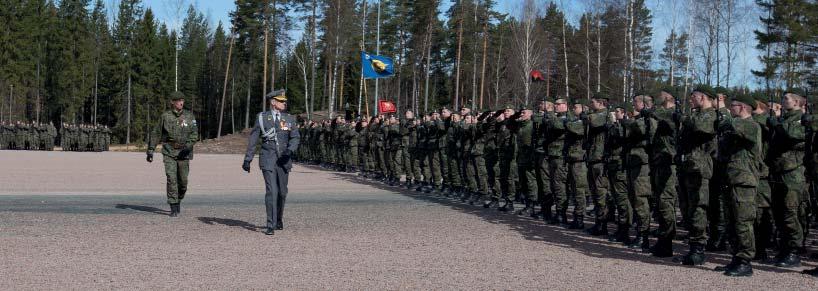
(84, 137)
(736, 171)
(32, 136)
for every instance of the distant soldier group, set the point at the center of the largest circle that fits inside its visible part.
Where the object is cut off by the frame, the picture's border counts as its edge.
(739, 169)
(23, 135)
(84, 137)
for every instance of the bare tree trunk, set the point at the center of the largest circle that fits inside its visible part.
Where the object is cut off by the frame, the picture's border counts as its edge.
(632, 13)
(456, 101)
(247, 104)
(224, 87)
(588, 60)
(312, 59)
(599, 53)
(565, 57)
(474, 61)
(483, 69)
(363, 36)
(497, 74)
(273, 55)
(428, 69)
(232, 106)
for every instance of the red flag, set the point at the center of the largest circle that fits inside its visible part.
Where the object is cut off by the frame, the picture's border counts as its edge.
(536, 75)
(385, 106)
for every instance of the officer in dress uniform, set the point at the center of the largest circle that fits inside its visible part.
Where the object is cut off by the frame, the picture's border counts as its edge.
(279, 139)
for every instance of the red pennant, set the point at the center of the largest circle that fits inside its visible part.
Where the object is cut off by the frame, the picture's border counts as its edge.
(536, 75)
(385, 106)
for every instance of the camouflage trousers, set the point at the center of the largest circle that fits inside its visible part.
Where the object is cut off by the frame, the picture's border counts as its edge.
(697, 194)
(453, 166)
(543, 176)
(618, 180)
(508, 176)
(789, 207)
(476, 171)
(740, 212)
(396, 162)
(763, 226)
(527, 178)
(577, 184)
(416, 157)
(176, 172)
(716, 215)
(663, 184)
(598, 181)
(559, 182)
(640, 194)
(493, 173)
(433, 168)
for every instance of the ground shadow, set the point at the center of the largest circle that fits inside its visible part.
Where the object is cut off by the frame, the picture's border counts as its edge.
(538, 230)
(230, 222)
(143, 208)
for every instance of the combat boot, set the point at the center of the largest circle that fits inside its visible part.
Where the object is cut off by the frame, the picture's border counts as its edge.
(600, 228)
(491, 203)
(527, 210)
(718, 245)
(621, 234)
(507, 206)
(563, 217)
(578, 223)
(695, 255)
(662, 249)
(739, 268)
(636, 242)
(787, 259)
(174, 210)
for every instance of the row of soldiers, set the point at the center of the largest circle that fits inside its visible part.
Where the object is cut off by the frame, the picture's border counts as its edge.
(739, 169)
(85, 137)
(23, 135)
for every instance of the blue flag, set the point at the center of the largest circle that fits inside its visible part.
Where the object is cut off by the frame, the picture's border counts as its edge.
(376, 66)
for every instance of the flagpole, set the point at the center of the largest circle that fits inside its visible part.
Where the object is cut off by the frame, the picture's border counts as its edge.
(363, 37)
(378, 52)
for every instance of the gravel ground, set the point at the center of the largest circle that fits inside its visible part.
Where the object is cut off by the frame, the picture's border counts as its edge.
(98, 221)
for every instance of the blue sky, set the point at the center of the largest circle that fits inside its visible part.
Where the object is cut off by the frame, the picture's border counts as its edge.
(664, 11)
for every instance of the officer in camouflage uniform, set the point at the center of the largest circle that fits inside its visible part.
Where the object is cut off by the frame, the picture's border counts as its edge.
(351, 139)
(811, 126)
(639, 132)
(410, 140)
(574, 150)
(787, 178)
(488, 128)
(763, 227)
(663, 171)
(718, 184)
(177, 131)
(449, 153)
(523, 128)
(557, 165)
(506, 145)
(3, 136)
(395, 138)
(436, 129)
(615, 151)
(540, 118)
(598, 120)
(743, 154)
(699, 136)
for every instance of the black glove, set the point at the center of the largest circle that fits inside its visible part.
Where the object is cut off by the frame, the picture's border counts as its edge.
(583, 116)
(806, 119)
(773, 121)
(646, 113)
(246, 166)
(149, 158)
(724, 126)
(286, 153)
(677, 116)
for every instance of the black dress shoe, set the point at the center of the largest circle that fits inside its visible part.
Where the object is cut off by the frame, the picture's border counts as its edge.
(811, 272)
(280, 226)
(269, 231)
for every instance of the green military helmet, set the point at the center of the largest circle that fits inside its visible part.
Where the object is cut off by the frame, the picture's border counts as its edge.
(746, 99)
(176, 95)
